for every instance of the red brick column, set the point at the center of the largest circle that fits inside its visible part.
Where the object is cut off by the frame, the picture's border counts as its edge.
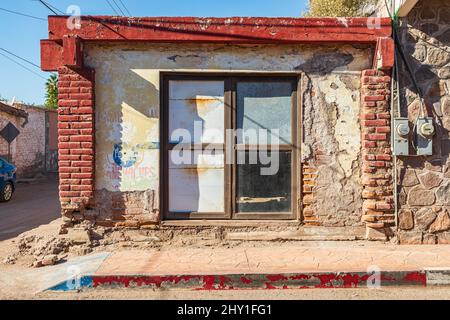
(378, 204)
(76, 139)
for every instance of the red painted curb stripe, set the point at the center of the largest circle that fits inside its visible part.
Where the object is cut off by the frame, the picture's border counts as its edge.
(261, 281)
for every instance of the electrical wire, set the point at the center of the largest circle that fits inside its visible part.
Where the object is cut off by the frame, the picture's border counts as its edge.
(395, 183)
(47, 6)
(409, 69)
(114, 9)
(23, 59)
(123, 13)
(25, 67)
(388, 10)
(126, 9)
(23, 14)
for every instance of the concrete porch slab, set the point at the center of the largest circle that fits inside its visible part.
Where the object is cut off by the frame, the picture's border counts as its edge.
(277, 266)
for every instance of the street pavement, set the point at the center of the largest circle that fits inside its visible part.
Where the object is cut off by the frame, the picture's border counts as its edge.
(32, 205)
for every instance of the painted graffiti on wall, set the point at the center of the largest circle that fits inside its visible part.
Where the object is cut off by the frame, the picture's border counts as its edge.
(131, 166)
(128, 149)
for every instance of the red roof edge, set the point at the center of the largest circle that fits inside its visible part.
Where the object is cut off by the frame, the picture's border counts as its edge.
(233, 30)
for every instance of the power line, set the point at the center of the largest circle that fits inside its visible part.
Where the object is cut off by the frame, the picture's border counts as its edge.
(25, 67)
(48, 7)
(123, 13)
(128, 11)
(23, 59)
(114, 9)
(63, 13)
(22, 14)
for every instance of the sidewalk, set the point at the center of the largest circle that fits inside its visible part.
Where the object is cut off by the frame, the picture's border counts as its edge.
(280, 266)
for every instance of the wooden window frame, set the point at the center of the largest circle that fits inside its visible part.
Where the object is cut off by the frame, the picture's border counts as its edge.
(230, 170)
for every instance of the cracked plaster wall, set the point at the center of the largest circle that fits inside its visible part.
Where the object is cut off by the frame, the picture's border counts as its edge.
(127, 111)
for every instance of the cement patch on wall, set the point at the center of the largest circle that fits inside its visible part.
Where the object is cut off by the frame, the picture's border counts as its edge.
(331, 129)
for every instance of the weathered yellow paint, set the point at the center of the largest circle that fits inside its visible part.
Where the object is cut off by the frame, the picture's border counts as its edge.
(346, 115)
(130, 119)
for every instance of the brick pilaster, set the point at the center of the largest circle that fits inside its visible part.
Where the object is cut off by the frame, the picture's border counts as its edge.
(76, 138)
(310, 171)
(378, 204)
(309, 181)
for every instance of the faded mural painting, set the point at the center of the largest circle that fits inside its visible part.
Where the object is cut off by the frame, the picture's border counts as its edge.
(127, 135)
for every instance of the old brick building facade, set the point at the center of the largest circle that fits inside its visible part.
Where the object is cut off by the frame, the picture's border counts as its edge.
(126, 84)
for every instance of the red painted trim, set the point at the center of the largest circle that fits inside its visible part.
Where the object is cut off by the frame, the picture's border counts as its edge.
(384, 54)
(51, 55)
(72, 52)
(238, 30)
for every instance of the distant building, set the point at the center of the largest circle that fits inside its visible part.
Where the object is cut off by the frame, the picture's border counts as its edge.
(34, 150)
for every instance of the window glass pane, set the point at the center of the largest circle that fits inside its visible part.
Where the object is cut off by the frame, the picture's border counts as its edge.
(264, 105)
(198, 184)
(264, 193)
(198, 108)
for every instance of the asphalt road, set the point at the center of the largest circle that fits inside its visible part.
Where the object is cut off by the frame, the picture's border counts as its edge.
(32, 205)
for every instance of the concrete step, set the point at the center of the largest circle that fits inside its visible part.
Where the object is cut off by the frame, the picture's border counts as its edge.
(276, 266)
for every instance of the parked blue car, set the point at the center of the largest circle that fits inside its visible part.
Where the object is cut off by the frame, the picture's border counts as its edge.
(7, 180)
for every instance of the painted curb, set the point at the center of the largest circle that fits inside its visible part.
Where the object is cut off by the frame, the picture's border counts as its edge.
(254, 281)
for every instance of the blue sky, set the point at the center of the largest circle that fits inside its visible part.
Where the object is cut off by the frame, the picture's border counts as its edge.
(21, 35)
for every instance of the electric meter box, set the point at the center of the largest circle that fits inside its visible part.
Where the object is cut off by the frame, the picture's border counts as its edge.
(401, 137)
(425, 131)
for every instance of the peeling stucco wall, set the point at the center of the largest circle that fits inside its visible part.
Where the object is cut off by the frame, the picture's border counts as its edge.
(331, 129)
(127, 111)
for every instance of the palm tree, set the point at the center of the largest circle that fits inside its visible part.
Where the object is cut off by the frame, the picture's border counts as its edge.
(51, 97)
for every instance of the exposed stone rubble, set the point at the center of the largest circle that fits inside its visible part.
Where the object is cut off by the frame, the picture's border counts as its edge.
(45, 250)
(39, 249)
(331, 185)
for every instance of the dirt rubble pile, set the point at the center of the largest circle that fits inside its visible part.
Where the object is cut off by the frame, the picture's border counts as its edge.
(40, 249)
(48, 245)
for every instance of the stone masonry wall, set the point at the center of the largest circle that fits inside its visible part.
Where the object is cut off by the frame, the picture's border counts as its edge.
(424, 182)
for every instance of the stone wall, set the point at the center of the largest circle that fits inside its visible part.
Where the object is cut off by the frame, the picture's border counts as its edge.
(424, 182)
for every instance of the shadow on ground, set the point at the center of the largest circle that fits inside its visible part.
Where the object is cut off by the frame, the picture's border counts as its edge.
(33, 204)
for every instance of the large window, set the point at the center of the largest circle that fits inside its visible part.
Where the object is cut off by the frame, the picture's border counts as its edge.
(229, 147)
